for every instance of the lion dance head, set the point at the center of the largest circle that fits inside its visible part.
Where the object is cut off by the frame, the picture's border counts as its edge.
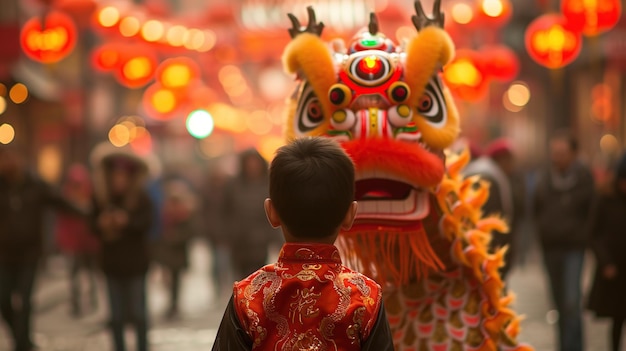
(419, 230)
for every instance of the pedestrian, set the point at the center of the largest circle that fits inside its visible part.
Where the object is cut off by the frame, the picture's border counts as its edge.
(24, 201)
(562, 202)
(171, 250)
(76, 241)
(307, 300)
(506, 195)
(216, 233)
(608, 240)
(244, 216)
(122, 214)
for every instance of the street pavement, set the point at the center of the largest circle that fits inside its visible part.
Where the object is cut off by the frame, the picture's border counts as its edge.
(201, 311)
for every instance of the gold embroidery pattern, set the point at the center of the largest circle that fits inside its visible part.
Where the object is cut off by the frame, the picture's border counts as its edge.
(304, 305)
(354, 331)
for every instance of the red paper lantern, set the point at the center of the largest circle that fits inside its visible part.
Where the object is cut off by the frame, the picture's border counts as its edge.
(592, 17)
(49, 39)
(178, 73)
(137, 70)
(162, 103)
(552, 42)
(501, 62)
(110, 56)
(466, 75)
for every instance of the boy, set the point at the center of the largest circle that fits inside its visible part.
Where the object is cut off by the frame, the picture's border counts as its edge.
(307, 300)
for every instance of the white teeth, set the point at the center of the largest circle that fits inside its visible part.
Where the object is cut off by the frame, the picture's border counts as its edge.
(414, 207)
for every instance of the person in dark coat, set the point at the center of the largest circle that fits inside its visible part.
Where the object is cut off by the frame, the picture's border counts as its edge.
(245, 220)
(562, 201)
(608, 239)
(122, 216)
(24, 201)
(171, 250)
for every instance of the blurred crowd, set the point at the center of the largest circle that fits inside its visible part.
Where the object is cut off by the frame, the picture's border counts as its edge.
(115, 217)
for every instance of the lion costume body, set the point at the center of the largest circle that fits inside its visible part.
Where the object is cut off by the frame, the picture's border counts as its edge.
(419, 230)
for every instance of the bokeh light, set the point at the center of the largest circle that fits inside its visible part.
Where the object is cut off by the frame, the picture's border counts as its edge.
(152, 30)
(3, 104)
(176, 75)
(108, 16)
(137, 68)
(129, 26)
(519, 94)
(200, 124)
(18, 93)
(119, 135)
(3, 90)
(462, 13)
(7, 133)
(164, 101)
(259, 123)
(609, 143)
(194, 39)
(492, 8)
(209, 41)
(463, 72)
(49, 163)
(176, 35)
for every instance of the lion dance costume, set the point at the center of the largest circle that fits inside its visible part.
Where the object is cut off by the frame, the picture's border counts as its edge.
(419, 229)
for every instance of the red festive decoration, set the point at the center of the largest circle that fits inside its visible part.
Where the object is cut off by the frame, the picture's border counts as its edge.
(592, 17)
(137, 70)
(178, 73)
(162, 103)
(552, 42)
(501, 62)
(49, 39)
(466, 75)
(109, 56)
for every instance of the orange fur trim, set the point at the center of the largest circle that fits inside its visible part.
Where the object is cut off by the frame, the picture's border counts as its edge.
(308, 56)
(392, 257)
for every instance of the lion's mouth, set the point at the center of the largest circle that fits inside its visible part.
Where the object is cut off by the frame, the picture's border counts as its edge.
(382, 197)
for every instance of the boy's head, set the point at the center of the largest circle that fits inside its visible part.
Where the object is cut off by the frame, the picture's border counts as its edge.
(311, 190)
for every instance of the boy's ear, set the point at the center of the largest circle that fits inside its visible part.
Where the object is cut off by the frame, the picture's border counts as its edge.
(346, 224)
(272, 215)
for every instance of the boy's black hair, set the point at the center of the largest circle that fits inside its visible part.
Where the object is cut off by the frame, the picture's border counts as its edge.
(312, 186)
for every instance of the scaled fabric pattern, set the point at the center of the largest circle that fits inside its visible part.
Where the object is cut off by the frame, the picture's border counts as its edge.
(419, 231)
(307, 301)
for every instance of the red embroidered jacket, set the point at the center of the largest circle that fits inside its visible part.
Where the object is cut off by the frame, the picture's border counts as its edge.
(307, 301)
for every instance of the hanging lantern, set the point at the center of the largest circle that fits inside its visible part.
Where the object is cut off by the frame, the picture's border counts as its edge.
(162, 103)
(494, 13)
(49, 39)
(109, 57)
(501, 62)
(178, 73)
(466, 76)
(592, 17)
(551, 41)
(137, 70)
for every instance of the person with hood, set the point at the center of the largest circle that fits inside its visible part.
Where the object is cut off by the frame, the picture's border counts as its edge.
(122, 216)
(75, 239)
(608, 240)
(245, 220)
